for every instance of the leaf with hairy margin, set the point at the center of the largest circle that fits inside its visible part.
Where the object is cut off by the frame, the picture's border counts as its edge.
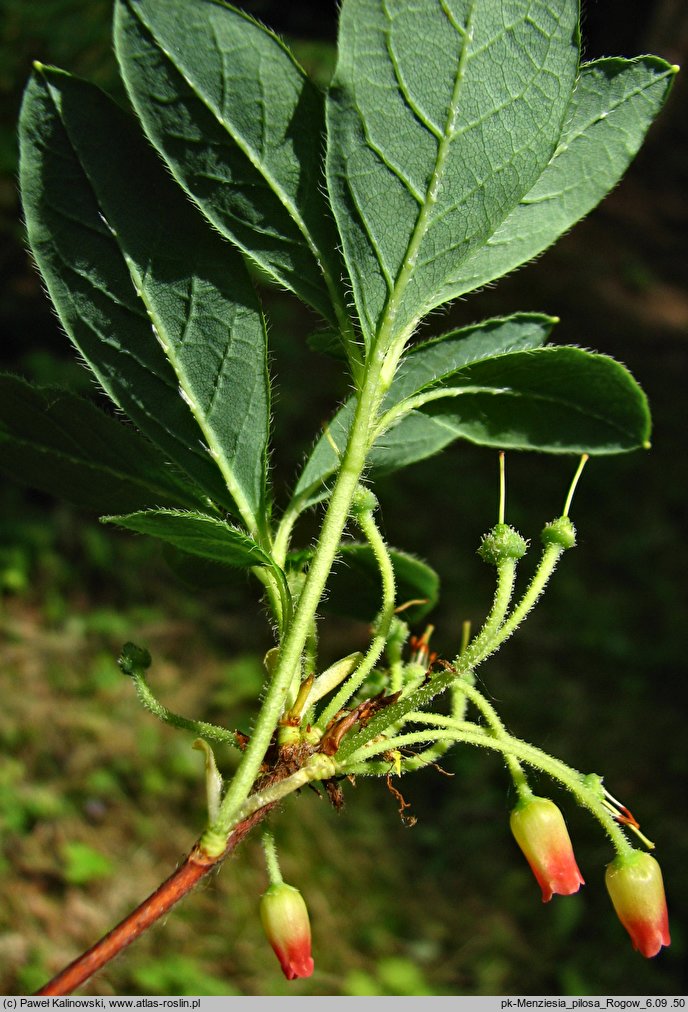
(429, 148)
(613, 105)
(156, 302)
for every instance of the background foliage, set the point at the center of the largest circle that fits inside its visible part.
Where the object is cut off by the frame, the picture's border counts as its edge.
(98, 802)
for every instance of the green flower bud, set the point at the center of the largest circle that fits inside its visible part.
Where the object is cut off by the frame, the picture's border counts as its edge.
(559, 532)
(133, 660)
(364, 501)
(501, 544)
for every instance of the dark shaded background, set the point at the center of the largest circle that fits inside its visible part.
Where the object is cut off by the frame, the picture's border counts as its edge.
(597, 675)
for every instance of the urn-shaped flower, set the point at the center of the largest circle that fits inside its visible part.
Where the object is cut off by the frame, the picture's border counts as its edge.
(540, 831)
(287, 927)
(634, 882)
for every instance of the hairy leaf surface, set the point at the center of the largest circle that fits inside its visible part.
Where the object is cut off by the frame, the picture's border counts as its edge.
(240, 126)
(60, 443)
(441, 117)
(614, 104)
(556, 400)
(197, 534)
(425, 365)
(155, 301)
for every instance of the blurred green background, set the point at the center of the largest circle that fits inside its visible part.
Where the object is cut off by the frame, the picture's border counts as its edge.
(98, 802)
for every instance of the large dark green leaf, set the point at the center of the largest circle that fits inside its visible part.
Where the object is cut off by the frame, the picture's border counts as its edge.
(160, 307)
(424, 366)
(60, 443)
(241, 127)
(558, 400)
(441, 117)
(614, 103)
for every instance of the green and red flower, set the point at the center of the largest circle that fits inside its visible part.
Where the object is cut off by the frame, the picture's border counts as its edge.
(634, 882)
(540, 831)
(285, 921)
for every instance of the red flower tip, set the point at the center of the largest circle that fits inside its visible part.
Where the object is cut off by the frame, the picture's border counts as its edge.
(540, 831)
(285, 922)
(635, 885)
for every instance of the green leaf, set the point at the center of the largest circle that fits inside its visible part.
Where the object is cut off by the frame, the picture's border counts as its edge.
(156, 302)
(430, 362)
(240, 126)
(60, 443)
(614, 103)
(355, 587)
(557, 400)
(424, 365)
(441, 117)
(197, 534)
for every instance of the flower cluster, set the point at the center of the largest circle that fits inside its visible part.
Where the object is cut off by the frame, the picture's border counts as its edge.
(633, 879)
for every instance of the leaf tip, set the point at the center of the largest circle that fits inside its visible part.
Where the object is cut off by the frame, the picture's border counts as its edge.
(674, 68)
(647, 445)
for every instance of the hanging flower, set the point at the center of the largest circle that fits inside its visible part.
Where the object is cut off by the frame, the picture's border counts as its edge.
(540, 831)
(634, 882)
(285, 922)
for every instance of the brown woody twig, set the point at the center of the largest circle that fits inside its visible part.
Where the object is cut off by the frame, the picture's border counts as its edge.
(195, 866)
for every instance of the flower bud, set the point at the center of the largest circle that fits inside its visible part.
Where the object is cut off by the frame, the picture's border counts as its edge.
(285, 921)
(559, 532)
(635, 885)
(540, 831)
(502, 544)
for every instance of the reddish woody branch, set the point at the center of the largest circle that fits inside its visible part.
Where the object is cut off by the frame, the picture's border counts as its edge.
(195, 866)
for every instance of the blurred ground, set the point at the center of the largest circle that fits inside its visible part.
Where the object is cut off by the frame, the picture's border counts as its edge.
(98, 801)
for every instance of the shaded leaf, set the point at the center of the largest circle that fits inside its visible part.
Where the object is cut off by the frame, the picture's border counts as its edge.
(156, 302)
(558, 400)
(424, 365)
(429, 148)
(197, 534)
(240, 126)
(63, 444)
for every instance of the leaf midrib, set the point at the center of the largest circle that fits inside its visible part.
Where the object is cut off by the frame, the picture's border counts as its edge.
(386, 330)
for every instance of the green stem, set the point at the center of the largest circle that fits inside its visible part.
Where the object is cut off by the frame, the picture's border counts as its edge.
(548, 561)
(457, 732)
(480, 646)
(293, 643)
(496, 726)
(271, 860)
(371, 531)
(201, 728)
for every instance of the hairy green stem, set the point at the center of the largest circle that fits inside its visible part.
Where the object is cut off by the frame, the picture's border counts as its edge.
(384, 621)
(199, 727)
(548, 561)
(271, 860)
(480, 646)
(293, 643)
(446, 728)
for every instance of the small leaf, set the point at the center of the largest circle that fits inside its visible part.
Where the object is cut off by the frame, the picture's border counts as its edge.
(63, 444)
(240, 126)
(156, 302)
(613, 106)
(355, 587)
(442, 115)
(198, 534)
